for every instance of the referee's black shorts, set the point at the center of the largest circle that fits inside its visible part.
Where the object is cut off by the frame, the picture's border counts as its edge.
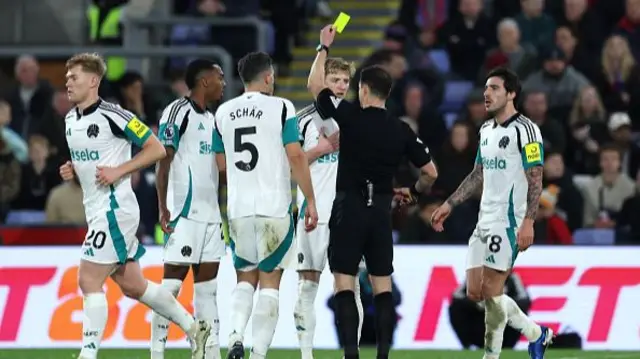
(357, 230)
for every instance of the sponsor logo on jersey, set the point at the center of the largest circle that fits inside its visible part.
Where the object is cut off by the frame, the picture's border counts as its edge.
(206, 148)
(533, 153)
(329, 158)
(494, 163)
(85, 155)
(138, 128)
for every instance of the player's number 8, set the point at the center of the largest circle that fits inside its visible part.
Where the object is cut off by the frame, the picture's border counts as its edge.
(494, 243)
(96, 239)
(240, 146)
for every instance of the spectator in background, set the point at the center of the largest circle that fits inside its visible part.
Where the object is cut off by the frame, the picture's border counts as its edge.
(9, 178)
(536, 27)
(561, 82)
(132, 97)
(12, 140)
(30, 98)
(456, 158)
(620, 130)
(424, 119)
(53, 126)
(510, 53)
(550, 228)
(179, 87)
(64, 204)
(628, 218)
(585, 23)
(39, 176)
(474, 111)
(605, 194)
(619, 76)
(535, 107)
(283, 18)
(569, 203)
(465, 36)
(418, 230)
(588, 127)
(583, 62)
(629, 26)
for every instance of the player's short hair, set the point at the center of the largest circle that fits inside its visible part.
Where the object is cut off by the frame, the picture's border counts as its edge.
(89, 62)
(195, 70)
(336, 65)
(510, 79)
(252, 65)
(378, 80)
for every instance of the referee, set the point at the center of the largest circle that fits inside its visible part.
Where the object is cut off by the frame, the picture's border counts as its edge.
(372, 145)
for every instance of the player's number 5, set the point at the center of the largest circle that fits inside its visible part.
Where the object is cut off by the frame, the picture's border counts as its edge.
(241, 146)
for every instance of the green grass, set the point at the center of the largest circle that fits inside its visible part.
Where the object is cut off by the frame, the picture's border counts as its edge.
(319, 354)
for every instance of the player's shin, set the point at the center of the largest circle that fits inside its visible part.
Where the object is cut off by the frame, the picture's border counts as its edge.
(520, 321)
(95, 315)
(495, 319)
(265, 320)
(304, 315)
(347, 316)
(206, 308)
(159, 324)
(356, 292)
(161, 301)
(241, 306)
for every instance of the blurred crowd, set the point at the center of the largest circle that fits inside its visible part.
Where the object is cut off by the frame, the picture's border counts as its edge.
(577, 59)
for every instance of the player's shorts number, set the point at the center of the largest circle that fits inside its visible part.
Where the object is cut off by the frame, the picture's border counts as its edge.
(96, 239)
(240, 146)
(494, 243)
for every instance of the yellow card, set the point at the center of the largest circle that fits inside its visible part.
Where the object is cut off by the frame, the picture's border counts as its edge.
(341, 22)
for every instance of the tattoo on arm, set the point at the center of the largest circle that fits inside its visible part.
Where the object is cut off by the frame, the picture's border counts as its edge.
(469, 186)
(534, 179)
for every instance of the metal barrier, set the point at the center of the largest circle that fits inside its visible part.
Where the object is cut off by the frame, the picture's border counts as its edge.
(226, 62)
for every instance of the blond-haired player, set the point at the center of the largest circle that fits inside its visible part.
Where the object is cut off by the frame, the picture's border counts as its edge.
(100, 135)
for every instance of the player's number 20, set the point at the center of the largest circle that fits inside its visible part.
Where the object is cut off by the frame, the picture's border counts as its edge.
(241, 146)
(96, 239)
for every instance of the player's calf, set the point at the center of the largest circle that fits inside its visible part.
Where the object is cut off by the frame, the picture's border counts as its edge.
(304, 312)
(495, 311)
(174, 275)
(206, 304)
(241, 307)
(265, 318)
(474, 284)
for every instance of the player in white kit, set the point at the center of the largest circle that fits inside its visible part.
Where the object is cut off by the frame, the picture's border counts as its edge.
(258, 135)
(320, 142)
(187, 185)
(509, 171)
(99, 135)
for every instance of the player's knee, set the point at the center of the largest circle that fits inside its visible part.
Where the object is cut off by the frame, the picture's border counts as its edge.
(490, 290)
(474, 294)
(309, 275)
(175, 271)
(205, 272)
(131, 290)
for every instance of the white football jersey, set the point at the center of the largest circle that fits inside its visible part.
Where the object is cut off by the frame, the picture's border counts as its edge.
(193, 178)
(324, 170)
(505, 152)
(101, 135)
(252, 130)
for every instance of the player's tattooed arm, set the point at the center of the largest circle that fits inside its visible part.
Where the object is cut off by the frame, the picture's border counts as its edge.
(469, 186)
(534, 180)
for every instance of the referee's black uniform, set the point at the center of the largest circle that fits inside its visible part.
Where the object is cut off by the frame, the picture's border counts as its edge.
(372, 145)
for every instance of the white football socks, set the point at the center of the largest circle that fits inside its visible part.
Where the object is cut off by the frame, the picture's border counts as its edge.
(95, 314)
(206, 308)
(264, 323)
(160, 324)
(241, 307)
(161, 301)
(495, 319)
(520, 321)
(304, 316)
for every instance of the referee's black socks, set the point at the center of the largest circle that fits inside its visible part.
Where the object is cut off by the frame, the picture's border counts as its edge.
(348, 320)
(384, 323)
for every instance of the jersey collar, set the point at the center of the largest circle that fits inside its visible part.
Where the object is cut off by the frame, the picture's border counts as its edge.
(195, 105)
(507, 122)
(89, 110)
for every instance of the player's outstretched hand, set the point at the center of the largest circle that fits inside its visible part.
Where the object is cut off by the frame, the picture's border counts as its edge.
(165, 217)
(106, 176)
(327, 35)
(525, 235)
(66, 171)
(403, 197)
(310, 217)
(439, 216)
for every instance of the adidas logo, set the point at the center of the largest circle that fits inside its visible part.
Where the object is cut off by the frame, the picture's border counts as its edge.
(90, 346)
(490, 259)
(201, 127)
(89, 252)
(485, 142)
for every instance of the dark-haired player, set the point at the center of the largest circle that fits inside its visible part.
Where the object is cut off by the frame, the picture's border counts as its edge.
(508, 171)
(187, 186)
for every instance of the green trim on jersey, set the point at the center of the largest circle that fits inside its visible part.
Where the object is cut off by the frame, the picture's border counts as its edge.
(119, 243)
(238, 262)
(511, 230)
(218, 145)
(532, 155)
(302, 209)
(290, 131)
(270, 263)
(137, 132)
(186, 207)
(174, 141)
(478, 156)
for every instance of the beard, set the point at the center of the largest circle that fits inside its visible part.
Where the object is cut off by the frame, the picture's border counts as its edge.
(495, 111)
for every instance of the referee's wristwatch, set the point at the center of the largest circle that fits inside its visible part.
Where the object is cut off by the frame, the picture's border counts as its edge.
(322, 47)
